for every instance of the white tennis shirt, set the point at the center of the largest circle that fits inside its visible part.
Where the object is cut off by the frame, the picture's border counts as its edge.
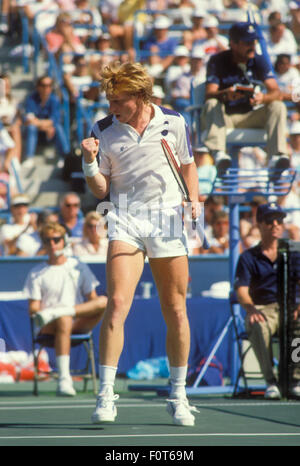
(60, 285)
(137, 165)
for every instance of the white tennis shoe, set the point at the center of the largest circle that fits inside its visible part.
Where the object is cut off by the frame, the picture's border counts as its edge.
(106, 410)
(180, 410)
(65, 387)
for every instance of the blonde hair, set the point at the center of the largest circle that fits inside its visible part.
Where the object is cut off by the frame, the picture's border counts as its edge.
(52, 227)
(129, 78)
(101, 224)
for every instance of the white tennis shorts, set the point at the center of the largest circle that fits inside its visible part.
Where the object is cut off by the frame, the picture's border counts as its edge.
(157, 232)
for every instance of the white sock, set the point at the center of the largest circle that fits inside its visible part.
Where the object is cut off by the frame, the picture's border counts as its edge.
(107, 376)
(178, 381)
(63, 366)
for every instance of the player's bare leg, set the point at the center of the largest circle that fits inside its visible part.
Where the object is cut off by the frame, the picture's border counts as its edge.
(171, 277)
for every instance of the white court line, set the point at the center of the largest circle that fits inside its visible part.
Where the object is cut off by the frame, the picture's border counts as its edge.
(136, 404)
(213, 434)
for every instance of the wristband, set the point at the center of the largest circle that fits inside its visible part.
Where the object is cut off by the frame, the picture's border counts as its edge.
(90, 169)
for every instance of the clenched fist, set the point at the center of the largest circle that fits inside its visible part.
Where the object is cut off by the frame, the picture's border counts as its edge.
(90, 149)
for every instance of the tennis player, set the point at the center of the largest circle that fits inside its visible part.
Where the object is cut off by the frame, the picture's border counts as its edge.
(133, 167)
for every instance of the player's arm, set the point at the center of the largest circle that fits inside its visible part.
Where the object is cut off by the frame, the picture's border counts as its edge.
(190, 175)
(34, 306)
(96, 181)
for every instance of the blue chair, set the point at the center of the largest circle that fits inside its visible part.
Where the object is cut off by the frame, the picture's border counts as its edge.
(42, 341)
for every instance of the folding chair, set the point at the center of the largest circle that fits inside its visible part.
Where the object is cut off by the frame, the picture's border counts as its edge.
(241, 337)
(42, 341)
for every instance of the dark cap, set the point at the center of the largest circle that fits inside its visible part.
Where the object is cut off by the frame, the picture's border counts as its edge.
(271, 210)
(242, 31)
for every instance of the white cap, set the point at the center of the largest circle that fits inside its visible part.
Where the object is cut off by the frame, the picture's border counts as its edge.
(210, 21)
(162, 22)
(294, 5)
(199, 13)
(157, 91)
(19, 199)
(295, 127)
(181, 51)
(197, 52)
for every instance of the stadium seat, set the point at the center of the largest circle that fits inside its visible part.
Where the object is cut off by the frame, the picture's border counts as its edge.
(47, 341)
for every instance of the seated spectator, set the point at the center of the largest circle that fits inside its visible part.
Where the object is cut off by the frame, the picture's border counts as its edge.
(86, 19)
(213, 42)
(249, 231)
(20, 221)
(294, 145)
(160, 46)
(47, 11)
(290, 203)
(219, 241)
(79, 79)
(30, 244)
(288, 76)
(256, 286)
(158, 95)
(197, 29)
(279, 40)
(43, 118)
(294, 24)
(180, 65)
(206, 172)
(226, 107)
(63, 300)
(62, 38)
(70, 216)
(212, 205)
(181, 88)
(10, 119)
(94, 237)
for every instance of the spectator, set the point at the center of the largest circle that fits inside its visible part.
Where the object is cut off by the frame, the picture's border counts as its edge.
(214, 42)
(43, 118)
(181, 89)
(10, 119)
(249, 231)
(294, 145)
(70, 215)
(47, 11)
(288, 76)
(206, 172)
(256, 289)
(63, 300)
(160, 46)
(30, 244)
(280, 40)
(198, 30)
(180, 65)
(212, 205)
(227, 107)
(94, 237)
(62, 37)
(87, 20)
(20, 221)
(294, 24)
(79, 79)
(219, 241)
(158, 95)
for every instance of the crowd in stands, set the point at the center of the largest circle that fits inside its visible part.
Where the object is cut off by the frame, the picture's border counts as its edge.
(174, 39)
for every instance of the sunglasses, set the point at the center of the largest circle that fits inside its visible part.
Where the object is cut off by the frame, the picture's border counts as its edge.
(71, 205)
(91, 225)
(269, 221)
(55, 239)
(45, 84)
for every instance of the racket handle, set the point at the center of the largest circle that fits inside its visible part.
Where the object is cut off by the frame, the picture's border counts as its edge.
(198, 227)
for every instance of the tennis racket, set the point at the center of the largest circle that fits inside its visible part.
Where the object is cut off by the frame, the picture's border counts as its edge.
(183, 187)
